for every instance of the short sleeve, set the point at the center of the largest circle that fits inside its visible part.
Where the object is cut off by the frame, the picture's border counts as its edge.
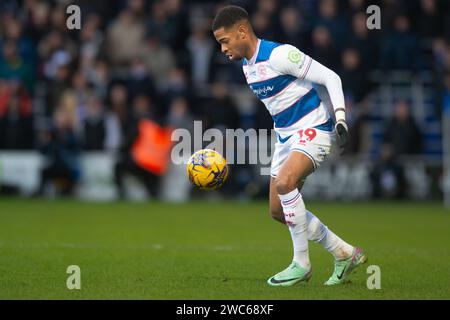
(287, 59)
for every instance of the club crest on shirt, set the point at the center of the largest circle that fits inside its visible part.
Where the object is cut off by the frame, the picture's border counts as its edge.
(262, 70)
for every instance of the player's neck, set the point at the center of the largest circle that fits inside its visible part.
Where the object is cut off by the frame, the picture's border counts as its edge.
(253, 44)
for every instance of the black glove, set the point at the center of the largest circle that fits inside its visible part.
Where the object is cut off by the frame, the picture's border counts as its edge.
(342, 136)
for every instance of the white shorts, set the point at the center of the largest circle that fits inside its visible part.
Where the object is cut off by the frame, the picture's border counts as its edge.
(314, 143)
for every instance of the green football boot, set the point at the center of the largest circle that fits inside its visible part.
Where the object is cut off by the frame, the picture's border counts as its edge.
(290, 276)
(343, 268)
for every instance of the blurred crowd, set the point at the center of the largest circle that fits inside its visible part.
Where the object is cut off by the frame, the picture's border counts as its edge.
(67, 91)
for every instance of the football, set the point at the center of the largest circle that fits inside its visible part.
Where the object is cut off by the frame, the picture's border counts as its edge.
(207, 169)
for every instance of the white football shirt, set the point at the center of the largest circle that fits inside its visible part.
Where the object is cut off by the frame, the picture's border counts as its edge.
(296, 90)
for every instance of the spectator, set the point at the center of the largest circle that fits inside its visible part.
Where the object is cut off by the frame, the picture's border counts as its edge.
(94, 125)
(80, 89)
(37, 26)
(331, 19)
(356, 6)
(391, 9)
(16, 124)
(220, 111)
(354, 78)
(201, 51)
(50, 49)
(138, 9)
(169, 21)
(176, 25)
(118, 104)
(402, 132)
(58, 18)
(358, 121)
(179, 115)
(139, 80)
(177, 86)
(158, 22)
(399, 50)
(262, 25)
(363, 40)
(13, 66)
(293, 28)
(59, 84)
(61, 148)
(323, 49)
(429, 24)
(266, 19)
(268, 7)
(135, 153)
(125, 39)
(101, 128)
(99, 76)
(159, 59)
(441, 56)
(388, 176)
(25, 48)
(91, 40)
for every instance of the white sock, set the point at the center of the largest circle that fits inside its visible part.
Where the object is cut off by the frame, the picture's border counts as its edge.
(295, 216)
(318, 232)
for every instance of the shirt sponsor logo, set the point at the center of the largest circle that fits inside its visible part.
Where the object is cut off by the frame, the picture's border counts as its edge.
(264, 91)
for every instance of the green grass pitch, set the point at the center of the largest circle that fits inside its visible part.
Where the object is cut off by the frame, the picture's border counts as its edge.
(213, 250)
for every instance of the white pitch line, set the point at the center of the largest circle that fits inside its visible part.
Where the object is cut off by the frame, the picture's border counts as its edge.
(71, 245)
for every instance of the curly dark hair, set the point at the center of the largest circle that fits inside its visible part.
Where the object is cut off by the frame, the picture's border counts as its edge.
(228, 16)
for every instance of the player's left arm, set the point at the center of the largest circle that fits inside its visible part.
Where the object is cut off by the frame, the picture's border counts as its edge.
(288, 59)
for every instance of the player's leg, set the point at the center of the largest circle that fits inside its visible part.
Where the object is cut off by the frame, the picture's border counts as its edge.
(276, 210)
(295, 169)
(315, 150)
(347, 257)
(316, 230)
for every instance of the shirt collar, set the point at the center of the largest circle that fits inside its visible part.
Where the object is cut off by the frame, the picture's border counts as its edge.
(255, 55)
